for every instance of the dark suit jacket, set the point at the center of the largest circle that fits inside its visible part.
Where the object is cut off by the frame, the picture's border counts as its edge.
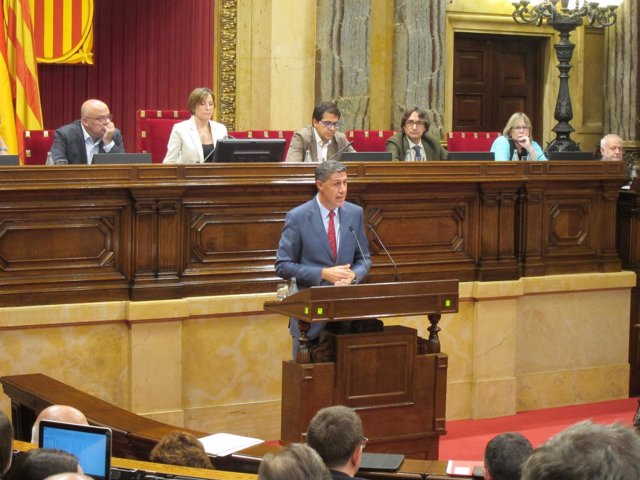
(398, 144)
(304, 248)
(68, 142)
(304, 140)
(336, 475)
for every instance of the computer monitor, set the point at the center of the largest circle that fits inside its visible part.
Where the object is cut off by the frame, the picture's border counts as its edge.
(249, 150)
(366, 157)
(9, 160)
(464, 156)
(91, 444)
(120, 158)
(570, 156)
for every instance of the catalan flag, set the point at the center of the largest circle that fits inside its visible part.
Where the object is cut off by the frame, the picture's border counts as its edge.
(7, 122)
(22, 67)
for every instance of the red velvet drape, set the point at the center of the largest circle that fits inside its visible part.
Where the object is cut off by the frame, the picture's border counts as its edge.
(148, 54)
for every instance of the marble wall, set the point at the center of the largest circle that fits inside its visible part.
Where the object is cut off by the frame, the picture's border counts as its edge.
(214, 363)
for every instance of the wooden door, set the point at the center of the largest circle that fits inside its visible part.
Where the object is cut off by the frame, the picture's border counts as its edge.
(493, 77)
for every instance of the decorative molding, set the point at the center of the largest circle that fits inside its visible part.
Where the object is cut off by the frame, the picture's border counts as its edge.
(226, 62)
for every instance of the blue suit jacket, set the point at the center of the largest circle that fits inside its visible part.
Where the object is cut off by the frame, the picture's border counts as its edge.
(68, 142)
(304, 250)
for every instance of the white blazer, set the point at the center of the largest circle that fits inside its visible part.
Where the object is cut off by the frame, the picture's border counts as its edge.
(184, 144)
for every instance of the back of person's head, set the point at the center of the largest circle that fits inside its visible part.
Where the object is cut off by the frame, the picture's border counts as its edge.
(325, 107)
(6, 443)
(40, 463)
(325, 169)
(57, 413)
(180, 448)
(335, 432)
(587, 451)
(68, 476)
(504, 456)
(294, 462)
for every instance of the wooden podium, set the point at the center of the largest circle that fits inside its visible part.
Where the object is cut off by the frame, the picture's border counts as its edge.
(399, 393)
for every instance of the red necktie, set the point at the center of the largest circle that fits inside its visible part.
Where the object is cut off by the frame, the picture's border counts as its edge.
(332, 235)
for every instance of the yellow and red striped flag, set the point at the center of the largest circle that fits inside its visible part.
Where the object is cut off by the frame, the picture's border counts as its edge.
(7, 123)
(23, 70)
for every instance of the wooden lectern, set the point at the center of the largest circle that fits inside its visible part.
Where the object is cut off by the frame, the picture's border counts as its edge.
(400, 394)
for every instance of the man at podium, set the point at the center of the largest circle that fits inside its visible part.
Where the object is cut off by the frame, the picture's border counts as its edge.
(323, 241)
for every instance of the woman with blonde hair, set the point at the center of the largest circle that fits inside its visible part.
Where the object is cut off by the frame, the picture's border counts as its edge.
(515, 143)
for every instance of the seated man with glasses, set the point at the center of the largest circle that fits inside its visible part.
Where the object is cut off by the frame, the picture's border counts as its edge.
(93, 133)
(320, 141)
(516, 143)
(413, 143)
(336, 434)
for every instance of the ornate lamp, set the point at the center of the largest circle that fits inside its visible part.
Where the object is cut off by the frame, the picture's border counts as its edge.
(565, 16)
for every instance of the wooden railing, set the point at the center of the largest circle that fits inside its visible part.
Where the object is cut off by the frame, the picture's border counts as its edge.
(98, 233)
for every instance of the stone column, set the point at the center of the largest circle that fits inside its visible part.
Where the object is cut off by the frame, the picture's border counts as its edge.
(418, 59)
(343, 58)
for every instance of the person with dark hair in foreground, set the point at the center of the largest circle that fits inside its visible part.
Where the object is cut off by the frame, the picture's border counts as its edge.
(294, 462)
(40, 463)
(180, 448)
(587, 451)
(413, 143)
(6, 442)
(321, 140)
(504, 456)
(336, 434)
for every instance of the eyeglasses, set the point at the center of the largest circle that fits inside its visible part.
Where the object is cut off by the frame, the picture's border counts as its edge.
(364, 442)
(412, 123)
(101, 118)
(520, 127)
(329, 124)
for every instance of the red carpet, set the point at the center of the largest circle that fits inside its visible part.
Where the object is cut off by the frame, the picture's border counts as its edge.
(466, 439)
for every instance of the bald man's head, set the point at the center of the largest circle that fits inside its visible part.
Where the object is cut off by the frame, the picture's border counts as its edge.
(57, 413)
(68, 476)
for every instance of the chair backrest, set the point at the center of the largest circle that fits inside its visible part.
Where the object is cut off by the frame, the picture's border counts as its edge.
(470, 141)
(153, 128)
(286, 134)
(37, 144)
(369, 140)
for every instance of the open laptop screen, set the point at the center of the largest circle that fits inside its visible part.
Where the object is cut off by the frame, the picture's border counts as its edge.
(92, 445)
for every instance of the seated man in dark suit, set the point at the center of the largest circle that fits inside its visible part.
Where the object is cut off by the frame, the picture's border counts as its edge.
(93, 133)
(336, 434)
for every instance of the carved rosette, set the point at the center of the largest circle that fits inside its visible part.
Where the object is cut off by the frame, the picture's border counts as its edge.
(228, 29)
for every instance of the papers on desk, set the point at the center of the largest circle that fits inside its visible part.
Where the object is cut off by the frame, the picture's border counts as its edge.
(461, 468)
(221, 444)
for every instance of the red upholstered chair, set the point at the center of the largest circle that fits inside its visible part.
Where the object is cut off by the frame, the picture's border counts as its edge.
(470, 141)
(37, 144)
(153, 128)
(369, 140)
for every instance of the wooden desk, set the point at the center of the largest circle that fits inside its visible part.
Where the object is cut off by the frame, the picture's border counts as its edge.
(142, 232)
(133, 435)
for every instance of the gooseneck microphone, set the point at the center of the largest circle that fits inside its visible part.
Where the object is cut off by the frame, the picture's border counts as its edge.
(395, 267)
(364, 257)
(341, 150)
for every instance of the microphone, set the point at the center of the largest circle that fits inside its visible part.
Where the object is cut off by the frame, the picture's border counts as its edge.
(341, 150)
(364, 257)
(395, 267)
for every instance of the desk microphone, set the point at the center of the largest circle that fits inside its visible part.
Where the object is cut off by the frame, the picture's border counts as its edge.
(395, 267)
(341, 150)
(366, 264)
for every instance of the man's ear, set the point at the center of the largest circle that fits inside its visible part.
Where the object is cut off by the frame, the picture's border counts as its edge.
(356, 456)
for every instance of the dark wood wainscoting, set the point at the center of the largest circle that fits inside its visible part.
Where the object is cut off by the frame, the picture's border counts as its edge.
(77, 233)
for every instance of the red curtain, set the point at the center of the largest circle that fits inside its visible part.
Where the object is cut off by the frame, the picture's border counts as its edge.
(148, 54)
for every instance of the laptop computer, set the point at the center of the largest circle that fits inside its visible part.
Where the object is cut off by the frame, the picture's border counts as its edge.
(570, 156)
(91, 444)
(120, 158)
(9, 160)
(464, 156)
(366, 157)
(381, 462)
